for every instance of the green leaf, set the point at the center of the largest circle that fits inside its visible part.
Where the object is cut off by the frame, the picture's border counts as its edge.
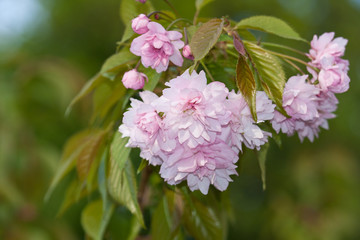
(153, 78)
(115, 62)
(74, 192)
(271, 25)
(199, 4)
(86, 89)
(130, 9)
(118, 152)
(271, 73)
(246, 83)
(122, 187)
(261, 155)
(142, 165)
(88, 154)
(106, 96)
(164, 225)
(205, 38)
(95, 219)
(201, 221)
(246, 35)
(71, 152)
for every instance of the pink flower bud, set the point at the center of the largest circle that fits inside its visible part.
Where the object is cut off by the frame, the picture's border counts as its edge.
(142, 1)
(139, 24)
(134, 79)
(187, 52)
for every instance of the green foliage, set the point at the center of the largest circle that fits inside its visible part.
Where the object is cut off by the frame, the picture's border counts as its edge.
(201, 221)
(261, 155)
(72, 152)
(246, 83)
(94, 218)
(164, 225)
(121, 179)
(205, 38)
(199, 4)
(115, 62)
(270, 73)
(131, 9)
(271, 25)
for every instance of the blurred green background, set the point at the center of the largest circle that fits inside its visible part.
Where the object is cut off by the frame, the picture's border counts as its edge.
(49, 48)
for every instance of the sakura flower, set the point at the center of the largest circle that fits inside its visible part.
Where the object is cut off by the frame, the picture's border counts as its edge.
(334, 78)
(139, 24)
(134, 79)
(194, 111)
(143, 125)
(157, 47)
(301, 102)
(326, 46)
(243, 127)
(142, 1)
(327, 104)
(201, 166)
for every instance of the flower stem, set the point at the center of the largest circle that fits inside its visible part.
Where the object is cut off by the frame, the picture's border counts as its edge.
(291, 58)
(160, 12)
(176, 21)
(294, 66)
(207, 71)
(283, 47)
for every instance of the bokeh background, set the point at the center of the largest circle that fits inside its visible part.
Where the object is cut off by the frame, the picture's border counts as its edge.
(48, 50)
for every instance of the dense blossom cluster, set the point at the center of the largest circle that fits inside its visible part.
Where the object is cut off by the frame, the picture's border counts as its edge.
(195, 130)
(311, 102)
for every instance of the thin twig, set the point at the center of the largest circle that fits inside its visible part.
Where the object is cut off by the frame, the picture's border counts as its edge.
(294, 66)
(284, 47)
(291, 58)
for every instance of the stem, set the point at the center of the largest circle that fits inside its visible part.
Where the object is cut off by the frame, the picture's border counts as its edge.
(291, 58)
(172, 7)
(284, 47)
(160, 12)
(137, 64)
(294, 66)
(196, 17)
(207, 71)
(176, 21)
(232, 53)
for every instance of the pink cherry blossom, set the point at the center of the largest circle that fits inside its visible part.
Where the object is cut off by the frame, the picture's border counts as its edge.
(143, 125)
(142, 1)
(139, 24)
(194, 111)
(326, 46)
(243, 128)
(201, 166)
(334, 78)
(187, 52)
(300, 102)
(325, 54)
(134, 79)
(157, 47)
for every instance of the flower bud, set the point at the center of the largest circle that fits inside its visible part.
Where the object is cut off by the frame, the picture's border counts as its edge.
(134, 79)
(139, 24)
(142, 1)
(187, 52)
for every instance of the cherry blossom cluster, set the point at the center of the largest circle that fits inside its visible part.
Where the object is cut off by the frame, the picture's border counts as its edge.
(156, 47)
(195, 130)
(311, 102)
